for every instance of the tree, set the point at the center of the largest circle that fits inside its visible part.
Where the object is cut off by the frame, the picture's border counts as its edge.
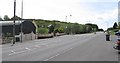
(111, 28)
(76, 28)
(94, 26)
(6, 17)
(1, 19)
(51, 29)
(88, 28)
(68, 28)
(16, 18)
(100, 30)
(115, 26)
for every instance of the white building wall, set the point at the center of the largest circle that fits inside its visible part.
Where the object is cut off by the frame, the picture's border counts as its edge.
(27, 37)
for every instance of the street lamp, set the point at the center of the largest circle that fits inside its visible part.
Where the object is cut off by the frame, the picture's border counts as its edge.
(107, 26)
(14, 23)
(21, 19)
(69, 22)
(67, 17)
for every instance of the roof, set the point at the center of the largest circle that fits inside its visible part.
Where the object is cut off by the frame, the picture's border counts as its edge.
(6, 23)
(28, 26)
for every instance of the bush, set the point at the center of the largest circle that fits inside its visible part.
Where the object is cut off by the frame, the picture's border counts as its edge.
(68, 29)
(8, 35)
(76, 28)
(42, 31)
(61, 30)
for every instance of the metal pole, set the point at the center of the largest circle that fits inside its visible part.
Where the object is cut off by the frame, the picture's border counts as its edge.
(66, 18)
(21, 19)
(107, 26)
(71, 25)
(14, 22)
(119, 14)
(66, 26)
(54, 28)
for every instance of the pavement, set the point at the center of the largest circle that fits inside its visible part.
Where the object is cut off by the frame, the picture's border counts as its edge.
(81, 47)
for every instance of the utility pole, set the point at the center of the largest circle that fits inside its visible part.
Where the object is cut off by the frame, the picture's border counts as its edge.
(14, 23)
(21, 19)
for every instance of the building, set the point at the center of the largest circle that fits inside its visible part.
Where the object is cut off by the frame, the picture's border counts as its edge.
(28, 29)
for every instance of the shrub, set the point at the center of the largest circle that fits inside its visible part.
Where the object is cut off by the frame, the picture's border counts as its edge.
(42, 30)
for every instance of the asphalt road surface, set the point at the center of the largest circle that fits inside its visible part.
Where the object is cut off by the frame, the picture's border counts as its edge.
(83, 47)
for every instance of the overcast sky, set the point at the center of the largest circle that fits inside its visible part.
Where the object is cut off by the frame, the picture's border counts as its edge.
(101, 12)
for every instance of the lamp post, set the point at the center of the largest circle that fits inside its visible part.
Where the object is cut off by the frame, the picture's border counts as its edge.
(107, 26)
(71, 26)
(14, 23)
(66, 17)
(69, 22)
(21, 19)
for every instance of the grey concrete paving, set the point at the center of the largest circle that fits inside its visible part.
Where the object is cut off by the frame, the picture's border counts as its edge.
(84, 47)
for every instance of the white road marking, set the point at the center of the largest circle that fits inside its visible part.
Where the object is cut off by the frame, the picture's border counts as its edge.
(57, 55)
(49, 58)
(46, 60)
(27, 48)
(12, 51)
(16, 53)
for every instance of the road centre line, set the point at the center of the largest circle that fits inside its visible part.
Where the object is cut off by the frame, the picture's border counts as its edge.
(27, 48)
(12, 51)
(57, 55)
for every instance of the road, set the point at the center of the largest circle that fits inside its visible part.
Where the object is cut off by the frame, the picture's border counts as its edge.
(83, 47)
